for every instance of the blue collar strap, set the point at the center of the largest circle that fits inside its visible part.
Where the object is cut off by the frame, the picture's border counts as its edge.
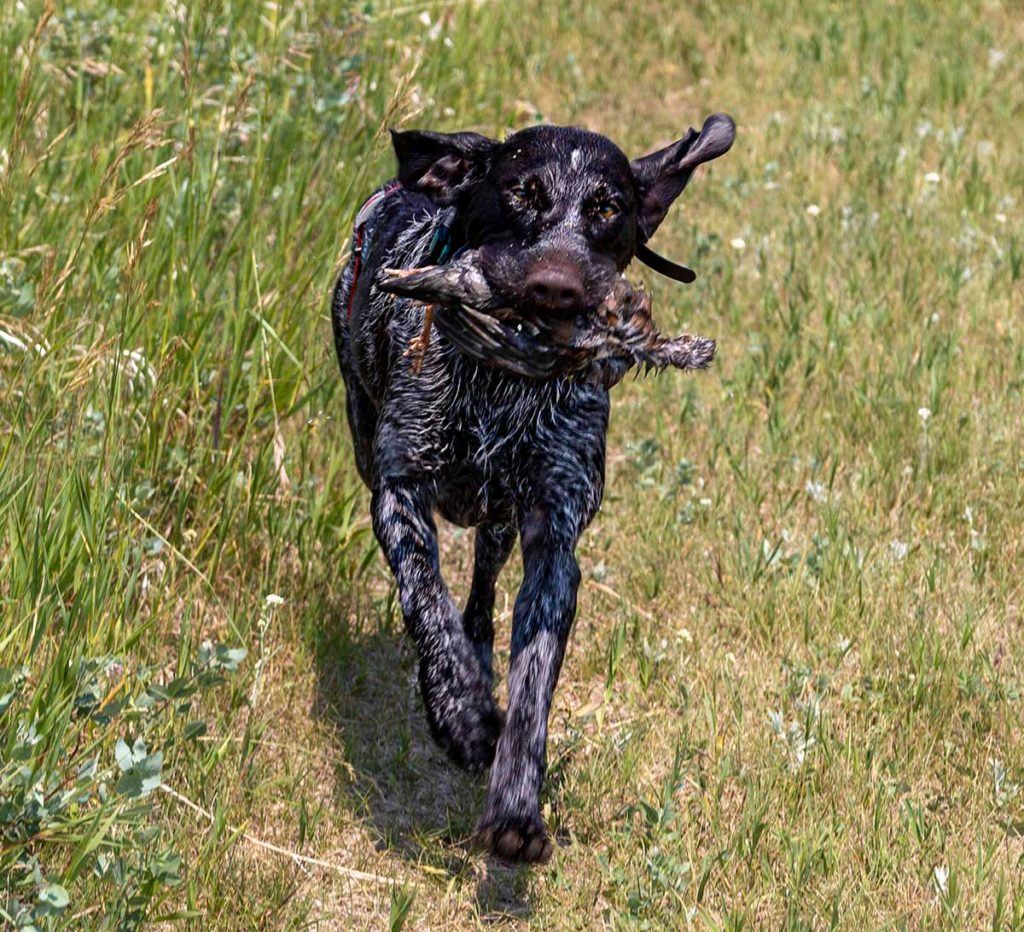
(441, 242)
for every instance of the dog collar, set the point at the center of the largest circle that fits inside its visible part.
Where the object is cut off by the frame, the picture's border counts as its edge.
(440, 248)
(368, 209)
(440, 251)
(664, 266)
(371, 204)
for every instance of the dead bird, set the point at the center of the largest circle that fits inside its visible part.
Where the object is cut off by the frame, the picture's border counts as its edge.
(551, 216)
(600, 346)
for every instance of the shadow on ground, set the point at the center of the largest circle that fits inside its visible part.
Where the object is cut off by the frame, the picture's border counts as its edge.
(417, 804)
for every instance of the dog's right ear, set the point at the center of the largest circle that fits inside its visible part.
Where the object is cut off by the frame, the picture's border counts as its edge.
(440, 165)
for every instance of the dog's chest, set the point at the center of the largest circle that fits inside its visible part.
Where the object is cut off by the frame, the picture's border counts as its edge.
(493, 436)
(498, 429)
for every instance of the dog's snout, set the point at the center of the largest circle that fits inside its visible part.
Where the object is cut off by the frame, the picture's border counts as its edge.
(555, 287)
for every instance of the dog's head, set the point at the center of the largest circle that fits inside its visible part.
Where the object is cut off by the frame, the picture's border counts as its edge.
(554, 211)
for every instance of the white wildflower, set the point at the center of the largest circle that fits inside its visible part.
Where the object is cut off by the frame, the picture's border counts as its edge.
(1005, 790)
(13, 342)
(273, 600)
(177, 11)
(1000, 218)
(10, 340)
(933, 177)
(795, 735)
(924, 414)
(813, 210)
(899, 549)
(817, 491)
(137, 370)
(737, 242)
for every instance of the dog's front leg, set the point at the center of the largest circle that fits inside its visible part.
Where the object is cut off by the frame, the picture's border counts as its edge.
(457, 695)
(512, 826)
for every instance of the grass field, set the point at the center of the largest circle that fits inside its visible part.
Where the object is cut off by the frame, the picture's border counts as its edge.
(793, 694)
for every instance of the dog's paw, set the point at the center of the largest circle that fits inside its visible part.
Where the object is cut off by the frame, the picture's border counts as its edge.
(470, 736)
(463, 717)
(516, 840)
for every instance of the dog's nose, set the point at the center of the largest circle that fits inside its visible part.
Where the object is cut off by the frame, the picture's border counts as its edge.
(557, 288)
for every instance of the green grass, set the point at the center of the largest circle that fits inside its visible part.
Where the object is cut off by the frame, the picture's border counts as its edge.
(792, 697)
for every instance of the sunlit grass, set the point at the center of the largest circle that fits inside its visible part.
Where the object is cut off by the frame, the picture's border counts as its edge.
(792, 694)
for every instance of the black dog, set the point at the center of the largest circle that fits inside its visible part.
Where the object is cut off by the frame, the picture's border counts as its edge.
(556, 214)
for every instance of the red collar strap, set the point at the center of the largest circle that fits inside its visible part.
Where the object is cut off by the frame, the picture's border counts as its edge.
(368, 209)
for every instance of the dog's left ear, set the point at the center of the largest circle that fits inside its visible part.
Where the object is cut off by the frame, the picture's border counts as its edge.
(662, 175)
(440, 164)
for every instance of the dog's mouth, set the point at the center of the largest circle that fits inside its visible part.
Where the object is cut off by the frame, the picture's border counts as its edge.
(599, 346)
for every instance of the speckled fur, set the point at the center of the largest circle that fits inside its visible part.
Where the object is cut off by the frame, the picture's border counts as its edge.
(484, 448)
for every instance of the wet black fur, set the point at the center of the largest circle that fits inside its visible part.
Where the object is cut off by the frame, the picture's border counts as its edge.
(512, 457)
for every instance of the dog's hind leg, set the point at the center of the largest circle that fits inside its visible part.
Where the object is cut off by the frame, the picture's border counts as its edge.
(456, 693)
(362, 422)
(493, 544)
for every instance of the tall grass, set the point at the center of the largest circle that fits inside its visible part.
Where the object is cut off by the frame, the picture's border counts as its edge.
(792, 697)
(176, 187)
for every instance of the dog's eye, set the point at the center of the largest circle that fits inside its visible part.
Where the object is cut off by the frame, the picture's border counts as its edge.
(527, 194)
(606, 210)
(604, 204)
